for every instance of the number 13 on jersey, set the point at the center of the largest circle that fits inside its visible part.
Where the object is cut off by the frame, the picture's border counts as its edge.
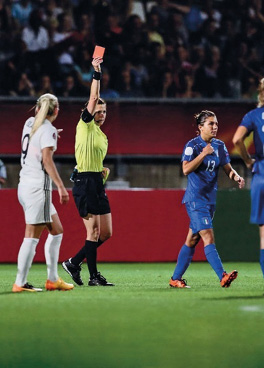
(210, 165)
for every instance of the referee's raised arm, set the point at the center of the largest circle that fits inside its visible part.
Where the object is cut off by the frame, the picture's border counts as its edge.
(95, 86)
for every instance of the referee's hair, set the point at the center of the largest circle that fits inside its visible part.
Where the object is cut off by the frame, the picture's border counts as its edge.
(46, 105)
(261, 93)
(101, 101)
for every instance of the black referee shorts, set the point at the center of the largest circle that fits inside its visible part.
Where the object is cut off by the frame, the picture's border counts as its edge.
(89, 194)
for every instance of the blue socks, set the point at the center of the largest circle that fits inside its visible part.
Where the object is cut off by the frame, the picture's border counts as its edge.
(186, 254)
(184, 259)
(261, 260)
(214, 260)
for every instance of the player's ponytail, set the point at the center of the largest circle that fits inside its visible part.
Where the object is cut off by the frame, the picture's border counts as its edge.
(46, 105)
(261, 93)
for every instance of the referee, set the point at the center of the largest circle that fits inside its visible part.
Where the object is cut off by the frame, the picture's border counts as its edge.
(89, 194)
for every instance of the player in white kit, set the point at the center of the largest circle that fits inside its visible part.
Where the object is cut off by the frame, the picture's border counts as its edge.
(39, 141)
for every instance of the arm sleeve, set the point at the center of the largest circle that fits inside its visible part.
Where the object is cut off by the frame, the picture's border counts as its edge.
(247, 122)
(224, 158)
(188, 153)
(86, 116)
(48, 138)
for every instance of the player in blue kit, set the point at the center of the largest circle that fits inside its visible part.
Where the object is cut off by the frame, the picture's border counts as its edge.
(253, 121)
(201, 159)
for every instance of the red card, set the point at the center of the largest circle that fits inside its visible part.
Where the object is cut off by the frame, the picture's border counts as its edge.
(98, 52)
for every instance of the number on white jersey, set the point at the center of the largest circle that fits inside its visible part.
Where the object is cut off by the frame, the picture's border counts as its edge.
(25, 144)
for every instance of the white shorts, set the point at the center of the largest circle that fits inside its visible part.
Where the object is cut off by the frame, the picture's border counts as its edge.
(37, 204)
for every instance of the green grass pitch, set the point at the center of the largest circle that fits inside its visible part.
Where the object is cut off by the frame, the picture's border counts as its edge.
(141, 322)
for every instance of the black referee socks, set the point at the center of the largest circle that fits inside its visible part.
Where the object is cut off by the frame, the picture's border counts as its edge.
(90, 249)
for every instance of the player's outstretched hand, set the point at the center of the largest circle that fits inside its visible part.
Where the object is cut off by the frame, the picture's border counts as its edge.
(59, 131)
(240, 181)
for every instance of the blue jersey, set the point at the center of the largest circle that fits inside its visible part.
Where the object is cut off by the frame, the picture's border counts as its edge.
(254, 122)
(202, 183)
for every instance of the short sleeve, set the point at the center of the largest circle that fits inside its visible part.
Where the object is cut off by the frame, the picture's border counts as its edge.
(188, 153)
(48, 138)
(224, 158)
(247, 122)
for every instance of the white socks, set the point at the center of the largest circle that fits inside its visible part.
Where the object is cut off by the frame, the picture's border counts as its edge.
(27, 252)
(25, 258)
(52, 249)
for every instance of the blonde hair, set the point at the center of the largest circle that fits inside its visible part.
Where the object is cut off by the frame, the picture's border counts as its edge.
(46, 104)
(261, 93)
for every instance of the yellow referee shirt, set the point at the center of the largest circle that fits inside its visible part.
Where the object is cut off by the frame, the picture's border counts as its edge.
(90, 147)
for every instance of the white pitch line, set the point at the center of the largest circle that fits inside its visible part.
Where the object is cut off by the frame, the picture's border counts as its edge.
(252, 308)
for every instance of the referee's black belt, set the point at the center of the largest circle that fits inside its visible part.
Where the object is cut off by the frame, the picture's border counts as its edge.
(89, 173)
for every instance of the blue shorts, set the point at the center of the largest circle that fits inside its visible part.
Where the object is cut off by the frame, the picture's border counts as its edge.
(257, 199)
(201, 215)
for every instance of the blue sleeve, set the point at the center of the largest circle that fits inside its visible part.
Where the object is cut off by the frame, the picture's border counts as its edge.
(224, 156)
(247, 122)
(188, 152)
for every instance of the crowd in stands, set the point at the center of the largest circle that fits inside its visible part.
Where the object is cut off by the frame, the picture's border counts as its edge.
(189, 49)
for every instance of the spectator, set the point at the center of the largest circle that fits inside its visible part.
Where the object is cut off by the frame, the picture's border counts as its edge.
(211, 13)
(125, 85)
(21, 11)
(105, 90)
(176, 32)
(45, 86)
(208, 34)
(139, 71)
(35, 35)
(63, 33)
(70, 88)
(154, 31)
(192, 15)
(168, 87)
(183, 57)
(157, 64)
(52, 10)
(83, 69)
(6, 21)
(36, 39)
(86, 29)
(234, 27)
(164, 9)
(207, 76)
(24, 87)
(3, 175)
(134, 33)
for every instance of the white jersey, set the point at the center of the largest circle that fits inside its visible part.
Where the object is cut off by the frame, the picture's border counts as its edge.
(33, 173)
